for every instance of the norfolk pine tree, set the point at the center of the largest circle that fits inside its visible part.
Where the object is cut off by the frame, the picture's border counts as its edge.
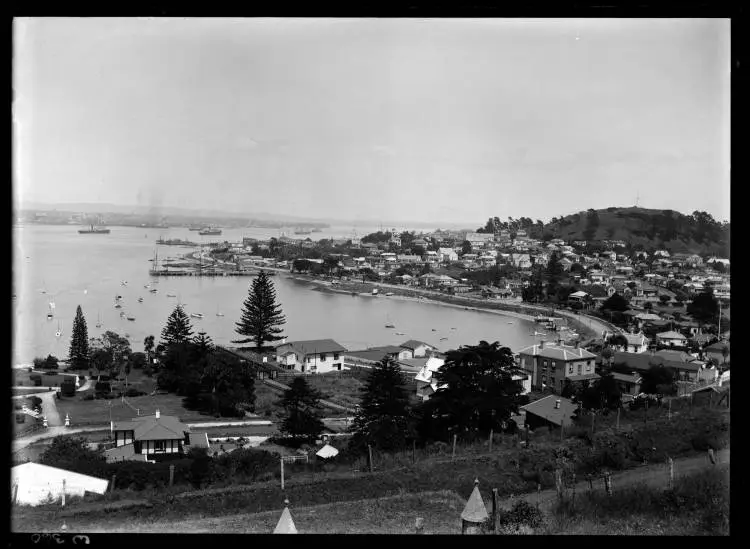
(178, 328)
(262, 318)
(79, 343)
(301, 403)
(384, 417)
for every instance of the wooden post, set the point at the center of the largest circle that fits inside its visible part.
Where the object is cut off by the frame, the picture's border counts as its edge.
(112, 484)
(419, 528)
(453, 455)
(63, 493)
(171, 475)
(574, 488)
(558, 483)
(538, 494)
(369, 451)
(494, 510)
(15, 493)
(608, 483)
(492, 432)
(671, 473)
(591, 485)
(414, 451)
(593, 423)
(618, 417)
(282, 472)
(527, 437)
(711, 456)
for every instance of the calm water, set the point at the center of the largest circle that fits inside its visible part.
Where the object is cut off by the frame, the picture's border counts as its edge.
(87, 270)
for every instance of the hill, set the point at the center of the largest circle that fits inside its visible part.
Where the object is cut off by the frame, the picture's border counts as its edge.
(660, 229)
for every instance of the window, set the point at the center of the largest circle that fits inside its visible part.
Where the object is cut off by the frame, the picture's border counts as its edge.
(570, 369)
(335, 356)
(160, 445)
(322, 356)
(544, 363)
(309, 359)
(579, 369)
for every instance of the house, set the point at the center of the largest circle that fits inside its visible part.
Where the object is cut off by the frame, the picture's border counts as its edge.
(716, 351)
(521, 261)
(684, 371)
(551, 411)
(447, 254)
(479, 240)
(34, 484)
(629, 384)
(579, 296)
(371, 356)
(418, 348)
(156, 437)
(311, 356)
(671, 339)
(550, 365)
(636, 343)
(426, 383)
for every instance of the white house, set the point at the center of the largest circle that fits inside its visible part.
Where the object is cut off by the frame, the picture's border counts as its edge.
(418, 348)
(671, 338)
(637, 343)
(447, 254)
(34, 483)
(426, 383)
(311, 356)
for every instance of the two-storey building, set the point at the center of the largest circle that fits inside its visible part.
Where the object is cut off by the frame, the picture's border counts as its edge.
(314, 356)
(551, 364)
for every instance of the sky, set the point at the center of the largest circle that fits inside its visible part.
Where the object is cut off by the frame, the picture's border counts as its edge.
(418, 120)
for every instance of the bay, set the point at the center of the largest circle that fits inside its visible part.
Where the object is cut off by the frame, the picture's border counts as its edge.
(87, 270)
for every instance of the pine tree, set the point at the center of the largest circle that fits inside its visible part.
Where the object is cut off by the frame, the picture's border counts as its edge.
(261, 316)
(301, 403)
(178, 328)
(384, 417)
(204, 343)
(78, 354)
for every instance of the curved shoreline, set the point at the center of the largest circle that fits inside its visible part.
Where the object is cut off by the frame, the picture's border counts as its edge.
(583, 324)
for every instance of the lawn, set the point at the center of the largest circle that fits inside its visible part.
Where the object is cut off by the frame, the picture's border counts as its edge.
(97, 412)
(339, 390)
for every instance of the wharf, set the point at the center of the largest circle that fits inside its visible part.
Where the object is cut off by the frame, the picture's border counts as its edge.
(198, 273)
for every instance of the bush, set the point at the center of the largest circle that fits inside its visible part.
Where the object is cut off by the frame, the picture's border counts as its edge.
(89, 396)
(134, 393)
(522, 514)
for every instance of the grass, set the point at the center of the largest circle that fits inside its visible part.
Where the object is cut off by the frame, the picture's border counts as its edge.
(97, 412)
(16, 391)
(339, 390)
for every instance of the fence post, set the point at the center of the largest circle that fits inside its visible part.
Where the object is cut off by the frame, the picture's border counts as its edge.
(112, 485)
(711, 456)
(453, 454)
(15, 493)
(590, 478)
(63, 493)
(369, 451)
(671, 473)
(282, 472)
(618, 417)
(608, 482)
(492, 432)
(558, 483)
(494, 510)
(171, 475)
(669, 410)
(574, 488)
(538, 494)
(593, 423)
(414, 451)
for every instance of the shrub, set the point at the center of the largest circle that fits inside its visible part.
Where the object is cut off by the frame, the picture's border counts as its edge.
(89, 396)
(522, 514)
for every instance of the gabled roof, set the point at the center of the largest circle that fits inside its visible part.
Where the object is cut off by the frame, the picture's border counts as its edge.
(413, 344)
(312, 346)
(545, 408)
(153, 428)
(431, 366)
(558, 352)
(670, 335)
(375, 354)
(717, 347)
(327, 451)
(635, 339)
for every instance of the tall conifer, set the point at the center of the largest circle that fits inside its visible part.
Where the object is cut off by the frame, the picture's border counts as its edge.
(78, 354)
(262, 317)
(178, 328)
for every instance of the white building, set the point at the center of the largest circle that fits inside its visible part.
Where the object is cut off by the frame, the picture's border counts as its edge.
(33, 483)
(311, 356)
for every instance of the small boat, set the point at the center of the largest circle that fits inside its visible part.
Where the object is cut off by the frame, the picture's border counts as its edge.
(147, 286)
(118, 306)
(434, 330)
(98, 321)
(122, 314)
(400, 333)
(49, 316)
(452, 328)
(59, 330)
(510, 323)
(124, 282)
(218, 313)
(171, 295)
(443, 338)
(153, 290)
(375, 291)
(118, 297)
(389, 293)
(130, 317)
(140, 300)
(389, 326)
(196, 315)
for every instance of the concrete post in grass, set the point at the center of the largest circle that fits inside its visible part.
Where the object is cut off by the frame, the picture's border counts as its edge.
(369, 452)
(608, 482)
(282, 472)
(453, 454)
(558, 483)
(711, 456)
(419, 526)
(671, 473)
(63, 492)
(495, 511)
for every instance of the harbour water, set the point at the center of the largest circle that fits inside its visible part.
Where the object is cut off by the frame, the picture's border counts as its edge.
(88, 270)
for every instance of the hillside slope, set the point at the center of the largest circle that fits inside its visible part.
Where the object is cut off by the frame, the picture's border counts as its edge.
(662, 229)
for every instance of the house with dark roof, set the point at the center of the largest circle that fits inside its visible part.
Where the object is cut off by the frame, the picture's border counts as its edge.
(551, 411)
(685, 371)
(372, 355)
(671, 339)
(156, 437)
(550, 365)
(418, 349)
(314, 356)
(716, 351)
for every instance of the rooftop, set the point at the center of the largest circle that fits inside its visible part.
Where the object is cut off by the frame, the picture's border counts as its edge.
(545, 408)
(312, 346)
(557, 352)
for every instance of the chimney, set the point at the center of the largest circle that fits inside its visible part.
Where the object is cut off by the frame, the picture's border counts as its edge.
(541, 345)
(557, 404)
(157, 415)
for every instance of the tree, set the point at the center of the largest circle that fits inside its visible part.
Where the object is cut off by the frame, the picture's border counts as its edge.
(204, 343)
(465, 247)
(476, 390)
(704, 308)
(659, 380)
(262, 317)
(78, 355)
(110, 351)
(384, 415)
(178, 328)
(301, 403)
(148, 346)
(664, 298)
(49, 363)
(67, 450)
(615, 303)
